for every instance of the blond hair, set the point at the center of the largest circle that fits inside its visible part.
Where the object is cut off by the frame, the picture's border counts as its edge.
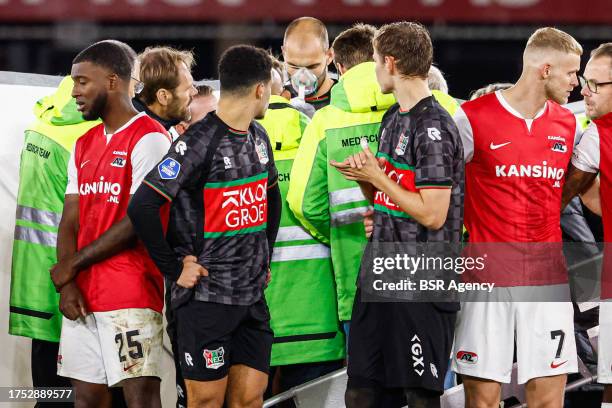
(549, 38)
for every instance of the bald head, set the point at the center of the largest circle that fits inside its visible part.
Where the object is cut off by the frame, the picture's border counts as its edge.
(304, 30)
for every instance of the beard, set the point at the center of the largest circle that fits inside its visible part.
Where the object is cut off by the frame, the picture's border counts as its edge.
(97, 107)
(177, 111)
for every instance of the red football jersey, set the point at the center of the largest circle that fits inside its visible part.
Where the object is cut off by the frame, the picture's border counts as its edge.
(594, 154)
(515, 174)
(104, 172)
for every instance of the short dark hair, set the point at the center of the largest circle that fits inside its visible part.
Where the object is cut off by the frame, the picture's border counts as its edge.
(243, 66)
(159, 68)
(409, 43)
(354, 46)
(110, 54)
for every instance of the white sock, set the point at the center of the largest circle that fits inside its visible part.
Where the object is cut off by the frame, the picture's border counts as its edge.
(606, 405)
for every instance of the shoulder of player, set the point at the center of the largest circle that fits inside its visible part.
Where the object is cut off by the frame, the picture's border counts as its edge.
(556, 109)
(591, 131)
(435, 117)
(200, 133)
(483, 102)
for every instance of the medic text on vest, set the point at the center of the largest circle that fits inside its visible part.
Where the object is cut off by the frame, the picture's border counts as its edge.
(355, 141)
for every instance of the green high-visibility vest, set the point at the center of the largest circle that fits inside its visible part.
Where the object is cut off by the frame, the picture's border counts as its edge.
(43, 177)
(329, 206)
(301, 296)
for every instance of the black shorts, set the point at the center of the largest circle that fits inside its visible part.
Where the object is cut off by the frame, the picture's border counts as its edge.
(212, 337)
(399, 345)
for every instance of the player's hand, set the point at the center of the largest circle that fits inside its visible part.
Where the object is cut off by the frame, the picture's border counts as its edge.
(62, 272)
(368, 223)
(72, 304)
(192, 271)
(362, 166)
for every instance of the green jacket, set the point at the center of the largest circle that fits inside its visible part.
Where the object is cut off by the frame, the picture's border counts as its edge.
(43, 177)
(330, 207)
(301, 296)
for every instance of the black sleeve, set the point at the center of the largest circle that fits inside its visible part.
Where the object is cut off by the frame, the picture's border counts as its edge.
(274, 215)
(144, 212)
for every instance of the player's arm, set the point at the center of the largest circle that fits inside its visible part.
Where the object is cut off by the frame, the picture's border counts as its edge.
(584, 166)
(591, 197)
(275, 205)
(157, 190)
(577, 182)
(428, 206)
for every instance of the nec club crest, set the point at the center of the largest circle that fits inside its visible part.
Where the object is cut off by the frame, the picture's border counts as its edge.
(214, 358)
(400, 149)
(262, 152)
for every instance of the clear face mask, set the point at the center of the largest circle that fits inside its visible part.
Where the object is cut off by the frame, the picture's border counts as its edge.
(304, 82)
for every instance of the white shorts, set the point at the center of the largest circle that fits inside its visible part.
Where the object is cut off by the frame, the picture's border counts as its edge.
(485, 334)
(109, 347)
(604, 348)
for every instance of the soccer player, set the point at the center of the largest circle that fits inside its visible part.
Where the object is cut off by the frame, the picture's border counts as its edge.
(518, 144)
(592, 156)
(221, 179)
(417, 196)
(111, 292)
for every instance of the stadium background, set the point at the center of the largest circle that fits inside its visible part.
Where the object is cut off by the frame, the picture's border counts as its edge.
(476, 42)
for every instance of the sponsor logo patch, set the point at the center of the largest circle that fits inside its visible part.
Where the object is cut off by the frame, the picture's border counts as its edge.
(433, 134)
(180, 147)
(559, 147)
(417, 356)
(467, 357)
(118, 162)
(169, 169)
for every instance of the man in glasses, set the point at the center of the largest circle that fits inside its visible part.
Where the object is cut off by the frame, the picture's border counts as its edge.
(306, 47)
(593, 156)
(165, 90)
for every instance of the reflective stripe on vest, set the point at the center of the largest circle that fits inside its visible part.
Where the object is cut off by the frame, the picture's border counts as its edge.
(292, 234)
(300, 252)
(38, 216)
(35, 236)
(349, 216)
(346, 195)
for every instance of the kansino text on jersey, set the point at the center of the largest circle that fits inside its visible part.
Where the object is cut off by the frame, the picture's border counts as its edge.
(431, 285)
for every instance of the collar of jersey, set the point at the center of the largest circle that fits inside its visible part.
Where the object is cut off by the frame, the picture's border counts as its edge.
(504, 103)
(128, 123)
(419, 103)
